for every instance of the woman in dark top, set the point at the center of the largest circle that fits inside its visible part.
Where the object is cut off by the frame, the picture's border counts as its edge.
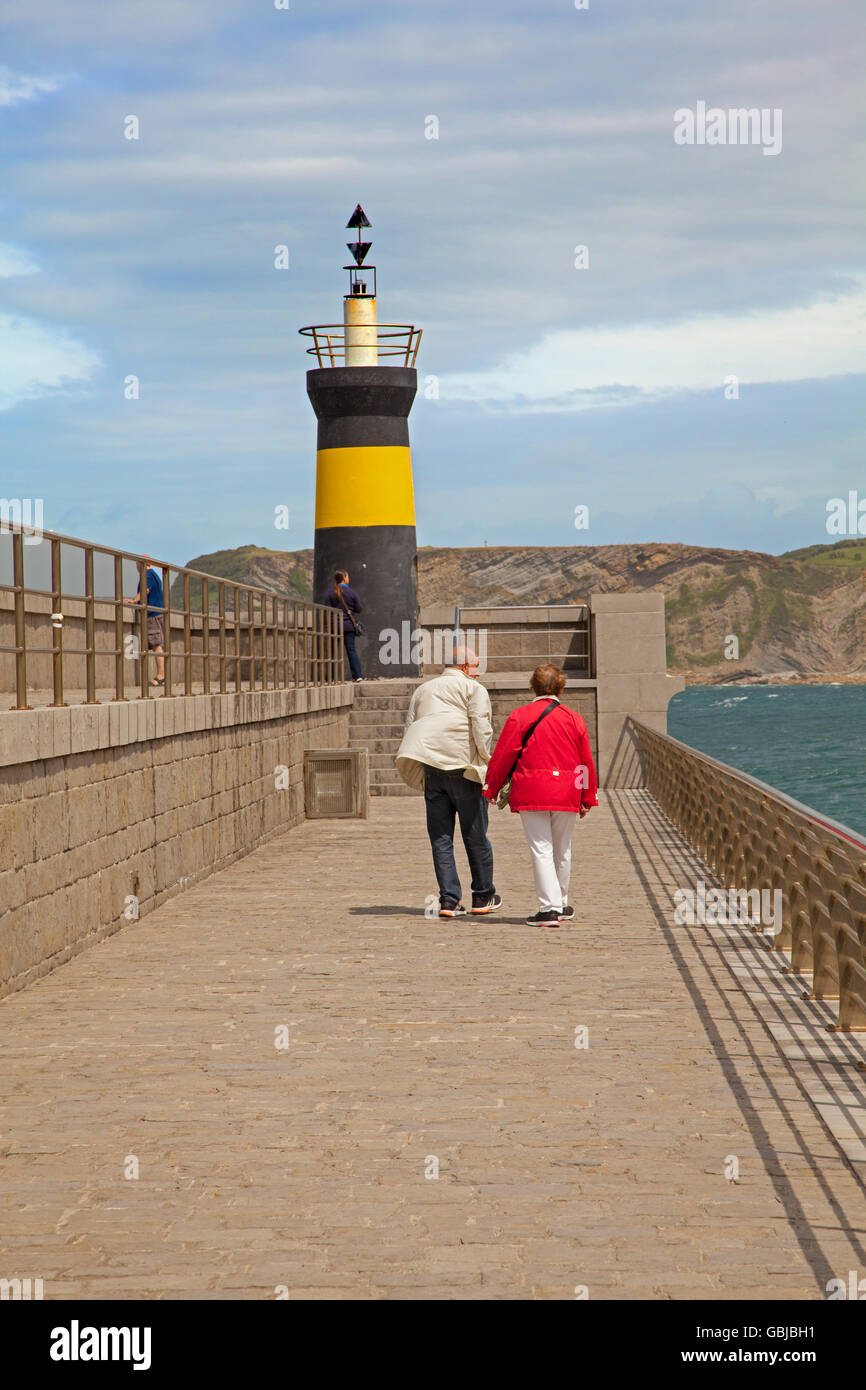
(344, 598)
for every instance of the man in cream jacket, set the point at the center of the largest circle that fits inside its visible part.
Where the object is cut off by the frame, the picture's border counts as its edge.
(444, 753)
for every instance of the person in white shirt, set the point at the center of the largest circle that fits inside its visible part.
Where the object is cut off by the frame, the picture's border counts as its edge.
(444, 753)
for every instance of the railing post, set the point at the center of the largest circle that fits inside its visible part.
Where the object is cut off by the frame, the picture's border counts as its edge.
(56, 624)
(205, 637)
(237, 617)
(276, 631)
(187, 637)
(143, 611)
(89, 627)
(223, 651)
(166, 622)
(20, 621)
(119, 635)
(295, 657)
(251, 629)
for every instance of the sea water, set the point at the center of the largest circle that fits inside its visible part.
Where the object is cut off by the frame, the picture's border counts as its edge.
(807, 740)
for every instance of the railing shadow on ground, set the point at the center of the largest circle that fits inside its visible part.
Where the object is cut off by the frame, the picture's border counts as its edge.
(756, 839)
(664, 861)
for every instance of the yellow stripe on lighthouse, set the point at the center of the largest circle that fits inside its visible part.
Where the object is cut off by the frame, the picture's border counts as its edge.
(369, 486)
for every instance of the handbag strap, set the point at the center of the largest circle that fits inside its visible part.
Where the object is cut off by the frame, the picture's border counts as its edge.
(347, 608)
(529, 732)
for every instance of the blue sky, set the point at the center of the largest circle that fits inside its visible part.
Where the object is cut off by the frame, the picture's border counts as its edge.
(558, 386)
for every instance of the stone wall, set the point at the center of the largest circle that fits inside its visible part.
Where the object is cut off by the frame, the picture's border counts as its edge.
(108, 810)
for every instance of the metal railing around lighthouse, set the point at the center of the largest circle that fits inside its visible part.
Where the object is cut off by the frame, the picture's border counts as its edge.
(393, 340)
(754, 837)
(69, 635)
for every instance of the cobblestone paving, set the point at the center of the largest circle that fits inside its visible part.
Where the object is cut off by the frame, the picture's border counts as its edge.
(303, 1170)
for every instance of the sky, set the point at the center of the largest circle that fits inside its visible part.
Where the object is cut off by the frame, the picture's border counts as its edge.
(550, 378)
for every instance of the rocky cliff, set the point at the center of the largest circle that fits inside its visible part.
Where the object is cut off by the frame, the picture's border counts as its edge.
(801, 615)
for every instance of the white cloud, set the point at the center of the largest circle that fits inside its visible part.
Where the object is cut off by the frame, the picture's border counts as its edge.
(579, 369)
(36, 358)
(17, 86)
(13, 262)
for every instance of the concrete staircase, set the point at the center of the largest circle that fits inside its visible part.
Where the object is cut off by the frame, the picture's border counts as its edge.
(376, 723)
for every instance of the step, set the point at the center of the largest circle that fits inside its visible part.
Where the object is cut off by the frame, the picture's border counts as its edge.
(391, 714)
(376, 746)
(384, 774)
(381, 762)
(385, 687)
(382, 701)
(363, 735)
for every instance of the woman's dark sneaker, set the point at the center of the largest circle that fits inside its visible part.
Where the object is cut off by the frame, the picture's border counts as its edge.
(449, 908)
(543, 919)
(485, 902)
(567, 914)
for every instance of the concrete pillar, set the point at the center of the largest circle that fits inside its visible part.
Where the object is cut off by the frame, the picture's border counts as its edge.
(630, 668)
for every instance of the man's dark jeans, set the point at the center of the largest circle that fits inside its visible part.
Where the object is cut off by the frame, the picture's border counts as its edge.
(354, 663)
(448, 795)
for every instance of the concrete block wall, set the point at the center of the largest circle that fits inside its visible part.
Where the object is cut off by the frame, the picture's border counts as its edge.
(103, 804)
(628, 641)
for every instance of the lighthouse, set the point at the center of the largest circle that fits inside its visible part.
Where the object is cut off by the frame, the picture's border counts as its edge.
(362, 389)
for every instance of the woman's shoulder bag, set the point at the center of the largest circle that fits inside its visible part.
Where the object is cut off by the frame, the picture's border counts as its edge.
(358, 626)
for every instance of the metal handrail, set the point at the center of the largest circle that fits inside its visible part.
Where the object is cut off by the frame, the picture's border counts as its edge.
(333, 342)
(583, 661)
(753, 836)
(289, 642)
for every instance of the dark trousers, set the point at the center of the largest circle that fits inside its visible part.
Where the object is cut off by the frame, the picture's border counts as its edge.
(450, 795)
(354, 663)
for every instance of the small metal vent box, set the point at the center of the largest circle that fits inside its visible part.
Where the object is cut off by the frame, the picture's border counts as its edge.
(336, 783)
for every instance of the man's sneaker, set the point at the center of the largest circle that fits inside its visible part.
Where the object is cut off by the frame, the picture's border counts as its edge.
(567, 914)
(449, 908)
(485, 902)
(543, 919)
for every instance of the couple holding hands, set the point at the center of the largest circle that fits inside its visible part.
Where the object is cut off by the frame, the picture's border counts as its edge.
(541, 767)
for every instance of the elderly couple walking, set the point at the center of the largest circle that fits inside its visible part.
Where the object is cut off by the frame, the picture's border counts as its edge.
(542, 762)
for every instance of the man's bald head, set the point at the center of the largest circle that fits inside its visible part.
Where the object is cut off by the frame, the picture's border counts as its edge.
(467, 661)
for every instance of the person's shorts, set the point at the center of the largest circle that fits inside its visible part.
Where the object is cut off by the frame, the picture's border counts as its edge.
(155, 632)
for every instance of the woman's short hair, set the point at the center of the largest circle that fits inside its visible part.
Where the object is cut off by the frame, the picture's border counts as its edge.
(547, 679)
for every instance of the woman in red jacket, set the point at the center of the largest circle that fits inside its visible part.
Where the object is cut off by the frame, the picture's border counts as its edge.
(553, 783)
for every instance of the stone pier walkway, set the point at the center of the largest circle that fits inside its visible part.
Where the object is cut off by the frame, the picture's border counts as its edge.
(414, 1045)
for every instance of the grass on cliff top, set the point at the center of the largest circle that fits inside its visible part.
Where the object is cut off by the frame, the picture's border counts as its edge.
(234, 566)
(231, 564)
(849, 554)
